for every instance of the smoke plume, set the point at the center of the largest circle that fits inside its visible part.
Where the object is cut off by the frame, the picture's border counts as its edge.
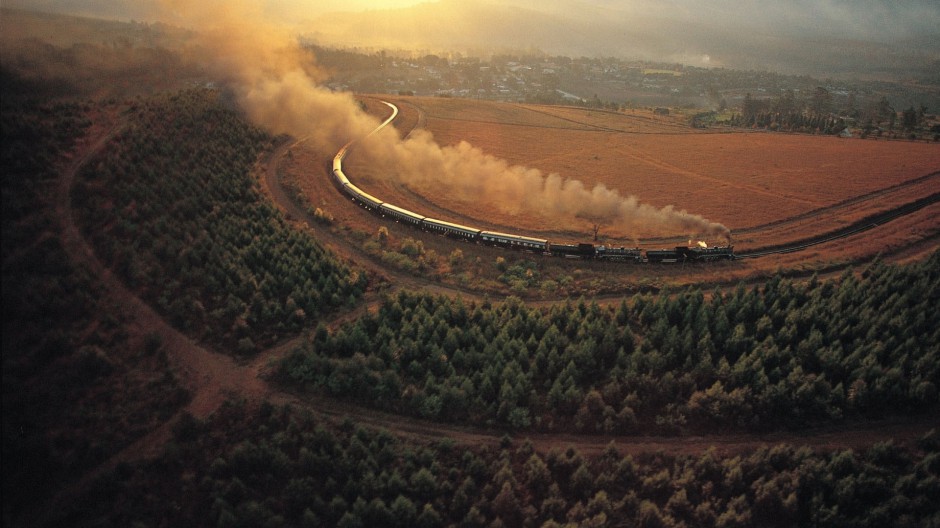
(466, 173)
(277, 83)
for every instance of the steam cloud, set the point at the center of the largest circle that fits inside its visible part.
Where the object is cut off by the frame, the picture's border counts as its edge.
(276, 82)
(469, 174)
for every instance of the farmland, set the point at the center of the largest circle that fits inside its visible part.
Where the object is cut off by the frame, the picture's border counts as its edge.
(740, 179)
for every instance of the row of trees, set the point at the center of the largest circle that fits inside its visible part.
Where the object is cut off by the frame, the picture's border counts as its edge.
(816, 114)
(791, 114)
(781, 354)
(285, 467)
(791, 122)
(171, 204)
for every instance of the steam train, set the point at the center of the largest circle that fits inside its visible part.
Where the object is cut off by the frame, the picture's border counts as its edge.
(699, 253)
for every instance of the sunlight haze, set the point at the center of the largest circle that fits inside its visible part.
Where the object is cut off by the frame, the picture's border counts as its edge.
(828, 38)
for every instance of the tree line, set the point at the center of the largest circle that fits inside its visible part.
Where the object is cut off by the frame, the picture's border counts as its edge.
(817, 114)
(789, 113)
(284, 466)
(780, 354)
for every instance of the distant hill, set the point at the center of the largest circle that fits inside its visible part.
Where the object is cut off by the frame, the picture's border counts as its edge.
(44, 54)
(821, 42)
(868, 39)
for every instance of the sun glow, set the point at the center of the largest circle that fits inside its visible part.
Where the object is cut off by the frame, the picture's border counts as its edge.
(325, 6)
(386, 4)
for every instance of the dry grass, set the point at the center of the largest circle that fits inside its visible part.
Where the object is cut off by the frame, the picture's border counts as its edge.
(742, 180)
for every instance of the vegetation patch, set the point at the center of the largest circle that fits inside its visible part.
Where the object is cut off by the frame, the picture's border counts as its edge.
(286, 467)
(78, 386)
(782, 354)
(172, 205)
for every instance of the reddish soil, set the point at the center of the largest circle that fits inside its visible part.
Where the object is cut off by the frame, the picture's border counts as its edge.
(742, 179)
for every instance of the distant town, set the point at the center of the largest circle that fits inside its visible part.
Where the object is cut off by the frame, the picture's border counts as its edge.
(618, 84)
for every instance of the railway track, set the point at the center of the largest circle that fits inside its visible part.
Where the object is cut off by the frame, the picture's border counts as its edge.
(860, 226)
(879, 193)
(854, 228)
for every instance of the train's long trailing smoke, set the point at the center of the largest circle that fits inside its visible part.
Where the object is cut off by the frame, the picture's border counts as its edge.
(277, 83)
(466, 173)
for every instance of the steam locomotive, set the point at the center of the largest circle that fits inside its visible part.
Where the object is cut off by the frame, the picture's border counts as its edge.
(700, 253)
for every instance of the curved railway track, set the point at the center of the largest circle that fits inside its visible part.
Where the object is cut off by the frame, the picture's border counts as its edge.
(855, 228)
(862, 198)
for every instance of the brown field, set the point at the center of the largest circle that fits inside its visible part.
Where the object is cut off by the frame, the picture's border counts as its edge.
(768, 188)
(743, 180)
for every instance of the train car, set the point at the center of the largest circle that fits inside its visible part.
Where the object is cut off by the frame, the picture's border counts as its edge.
(350, 191)
(619, 254)
(447, 228)
(664, 255)
(366, 199)
(341, 178)
(708, 254)
(338, 165)
(514, 241)
(402, 215)
(585, 251)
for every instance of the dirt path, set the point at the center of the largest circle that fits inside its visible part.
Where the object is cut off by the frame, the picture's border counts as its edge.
(209, 375)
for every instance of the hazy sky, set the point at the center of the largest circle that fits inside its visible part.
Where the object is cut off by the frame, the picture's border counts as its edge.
(882, 19)
(145, 9)
(793, 36)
